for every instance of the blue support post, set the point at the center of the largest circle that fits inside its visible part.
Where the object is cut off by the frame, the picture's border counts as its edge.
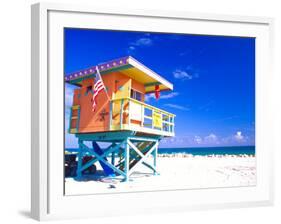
(127, 161)
(155, 152)
(113, 158)
(80, 159)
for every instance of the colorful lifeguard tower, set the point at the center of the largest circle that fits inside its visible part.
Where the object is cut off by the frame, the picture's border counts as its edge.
(121, 118)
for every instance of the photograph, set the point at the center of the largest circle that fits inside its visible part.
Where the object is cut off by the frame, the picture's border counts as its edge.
(150, 111)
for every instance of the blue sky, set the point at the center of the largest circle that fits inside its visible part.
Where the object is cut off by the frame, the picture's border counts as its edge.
(213, 77)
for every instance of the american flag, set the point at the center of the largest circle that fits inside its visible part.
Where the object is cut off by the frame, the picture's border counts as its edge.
(98, 87)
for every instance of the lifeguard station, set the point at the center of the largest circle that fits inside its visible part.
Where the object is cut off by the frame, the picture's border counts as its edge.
(121, 117)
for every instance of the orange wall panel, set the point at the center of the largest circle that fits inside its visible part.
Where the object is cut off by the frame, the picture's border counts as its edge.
(98, 120)
(138, 86)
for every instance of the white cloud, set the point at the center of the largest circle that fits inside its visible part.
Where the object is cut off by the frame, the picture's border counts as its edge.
(165, 96)
(144, 41)
(208, 140)
(212, 139)
(175, 106)
(178, 141)
(149, 96)
(181, 74)
(168, 96)
(190, 140)
(132, 48)
(198, 139)
(238, 136)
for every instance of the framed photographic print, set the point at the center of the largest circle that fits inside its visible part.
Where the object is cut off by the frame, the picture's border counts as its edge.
(143, 111)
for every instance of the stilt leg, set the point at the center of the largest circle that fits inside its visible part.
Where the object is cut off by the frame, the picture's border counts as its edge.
(113, 157)
(127, 161)
(80, 159)
(155, 153)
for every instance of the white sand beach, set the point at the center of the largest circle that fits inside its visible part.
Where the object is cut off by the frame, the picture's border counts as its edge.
(177, 171)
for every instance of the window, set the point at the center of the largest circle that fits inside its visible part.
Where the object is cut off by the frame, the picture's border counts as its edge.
(136, 95)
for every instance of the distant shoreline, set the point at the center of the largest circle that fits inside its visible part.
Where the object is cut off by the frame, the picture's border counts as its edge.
(200, 147)
(205, 151)
(186, 155)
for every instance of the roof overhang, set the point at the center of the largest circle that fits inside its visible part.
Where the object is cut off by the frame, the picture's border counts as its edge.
(127, 66)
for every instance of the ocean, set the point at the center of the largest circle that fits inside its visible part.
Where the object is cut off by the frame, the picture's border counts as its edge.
(203, 151)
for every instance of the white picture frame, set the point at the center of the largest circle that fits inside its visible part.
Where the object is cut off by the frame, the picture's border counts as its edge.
(47, 197)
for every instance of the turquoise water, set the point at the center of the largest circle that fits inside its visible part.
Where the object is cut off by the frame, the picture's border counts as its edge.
(233, 150)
